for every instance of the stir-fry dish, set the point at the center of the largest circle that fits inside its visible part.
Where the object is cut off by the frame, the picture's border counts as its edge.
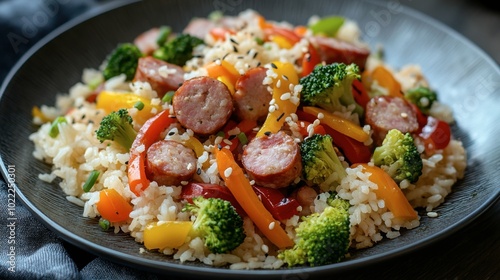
(249, 143)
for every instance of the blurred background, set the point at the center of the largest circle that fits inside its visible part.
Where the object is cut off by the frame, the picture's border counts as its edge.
(24, 22)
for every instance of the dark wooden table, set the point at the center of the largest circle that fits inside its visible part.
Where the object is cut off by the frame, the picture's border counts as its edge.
(473, 252)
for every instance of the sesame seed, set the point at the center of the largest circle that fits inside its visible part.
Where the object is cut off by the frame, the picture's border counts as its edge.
(285, 96)
(271, 225)
(235, 49)
(267, 133)
(274, 66)
(404, 115)
(233, 41)
(281, 116)
(321, 116)
(285, 77)
(278, 84)
(228, 172)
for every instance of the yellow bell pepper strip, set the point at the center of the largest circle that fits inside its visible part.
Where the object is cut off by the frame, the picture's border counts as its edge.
(147, 135)
(339, 124)
(224, 72)
(169, 234)
(194, 144)
(111, 101)
(240, 187)
(112, 206)
(284, 106)
(389, 191)
(37, 113)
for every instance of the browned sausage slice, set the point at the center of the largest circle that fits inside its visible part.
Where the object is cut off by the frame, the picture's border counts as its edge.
(203, 104)
(252, 97)
(169, 162)
(333, 50)
(272, 161)
(384, 113)
(305, 196)
(161, 75)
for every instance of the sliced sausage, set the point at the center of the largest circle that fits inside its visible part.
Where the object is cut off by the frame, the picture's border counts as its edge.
(252, 97)
(199, 27)
(161, 75)
(333, 50)
(146, 41)
(203, 104)
(384, 113)
(272, 161)
(169, 162)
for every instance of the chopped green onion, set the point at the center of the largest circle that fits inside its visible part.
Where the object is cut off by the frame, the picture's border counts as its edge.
(216, 15)
(167, 98)
(94, 83)
(91, 180)
(165, 31)
(327, 26)
(104, 224)
(139, 105)
(243, 138)
(220, 134)
(54, 128)
(259, 41)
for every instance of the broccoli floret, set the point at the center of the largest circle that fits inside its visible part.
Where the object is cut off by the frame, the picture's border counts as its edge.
(123, 60)
(423, 97)
(400, 156)
(117, 126)
(330, 87)
(217, 223)
(321, 165)
(321, 238)
(178, 50)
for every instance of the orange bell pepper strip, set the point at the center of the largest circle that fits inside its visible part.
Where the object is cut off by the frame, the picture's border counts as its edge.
(240, 187)
(389, 191)
(147, 135)
(339, 124)
(169, 234)
(285, 106)
(112, 206)
(385, 79)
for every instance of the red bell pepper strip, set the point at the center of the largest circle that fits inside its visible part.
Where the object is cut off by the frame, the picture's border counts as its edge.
(206, 190)
(280, 206)
(219, 33)
(359, 93)
(244, 126)
(310, 60)
(436, 134)
(354, 151)
(303, 124)
(147, 135)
